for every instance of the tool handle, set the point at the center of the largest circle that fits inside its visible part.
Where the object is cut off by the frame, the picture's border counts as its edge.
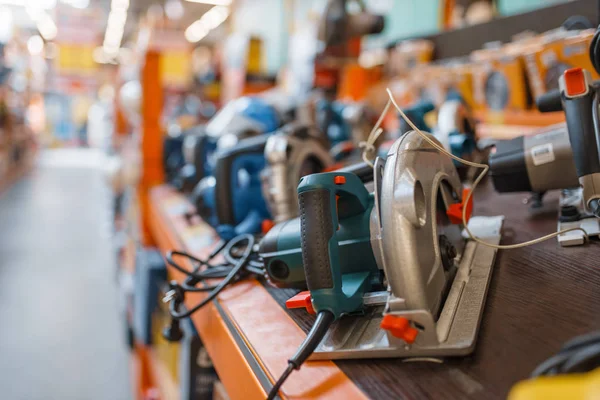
(317, 229)
(248, 154)
(580, 118)
(327, 201)
(202, 149)
(549, 101)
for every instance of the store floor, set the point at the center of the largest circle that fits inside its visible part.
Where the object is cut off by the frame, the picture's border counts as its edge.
(61, 334)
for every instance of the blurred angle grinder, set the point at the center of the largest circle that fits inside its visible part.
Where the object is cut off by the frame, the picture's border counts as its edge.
(563, 157)
(241, 118)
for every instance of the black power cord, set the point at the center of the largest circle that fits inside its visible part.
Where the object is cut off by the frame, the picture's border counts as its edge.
(581, 354)
(240, 261)
(314, 337)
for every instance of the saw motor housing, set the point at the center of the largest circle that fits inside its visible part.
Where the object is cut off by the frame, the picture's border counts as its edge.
(436, 280)
(284, 246)
(231, 200)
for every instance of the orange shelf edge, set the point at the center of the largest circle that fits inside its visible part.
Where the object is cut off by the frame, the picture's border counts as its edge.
(228, 360)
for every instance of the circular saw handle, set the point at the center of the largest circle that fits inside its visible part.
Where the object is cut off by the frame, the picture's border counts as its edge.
(317, 220)
(325, 201)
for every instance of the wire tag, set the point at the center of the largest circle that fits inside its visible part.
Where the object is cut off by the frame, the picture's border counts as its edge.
(376, 131)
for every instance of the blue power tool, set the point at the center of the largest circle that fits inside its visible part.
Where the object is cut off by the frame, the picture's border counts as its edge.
(416, 113)
(239, 119)
(344, 124)
(231, 201)
(331, 121)
(455, 127)
(256, 179)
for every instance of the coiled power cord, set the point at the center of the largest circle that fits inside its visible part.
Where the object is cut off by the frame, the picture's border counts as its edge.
(240, 261)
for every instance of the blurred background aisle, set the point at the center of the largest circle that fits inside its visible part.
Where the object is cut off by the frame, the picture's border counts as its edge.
(62, 337)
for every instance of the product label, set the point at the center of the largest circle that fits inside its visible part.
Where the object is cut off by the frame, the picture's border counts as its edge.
(542, 154)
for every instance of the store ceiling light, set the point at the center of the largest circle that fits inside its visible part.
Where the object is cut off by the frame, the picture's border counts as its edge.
(40, 4)
(99, 55)
(46, 26)
(111, 51)
(35, 45)
(6, 24)
(174, 9)
(194, 34)
(119, 4)
(215, 17)
(115, 27)
(81, 4)
(210, 20)
(117, 18)
(212, 2)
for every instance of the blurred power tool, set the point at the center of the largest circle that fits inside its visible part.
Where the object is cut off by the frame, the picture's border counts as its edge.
(234, 201)
(337, 26)
(540, 163)
(535, 163)
(456, 129)
(231, 201)
(416, 113)
(339, 37)
(395, 260)
(197, 148)
(345, 125)
(297, 150)
(239, 119)
(573, 373)
(578, 98)
(455, 126)
(173, 160)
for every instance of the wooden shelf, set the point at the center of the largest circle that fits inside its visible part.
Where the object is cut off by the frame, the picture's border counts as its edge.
(250, 336)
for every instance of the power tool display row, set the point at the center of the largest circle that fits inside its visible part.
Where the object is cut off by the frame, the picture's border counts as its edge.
(327, 235)
(241, 168)
(381, 250)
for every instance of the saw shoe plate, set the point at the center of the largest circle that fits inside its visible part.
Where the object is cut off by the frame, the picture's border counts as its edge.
(456, 329)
